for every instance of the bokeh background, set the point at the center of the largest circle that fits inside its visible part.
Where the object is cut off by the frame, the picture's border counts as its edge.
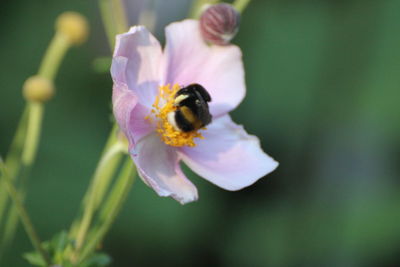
(323, 95)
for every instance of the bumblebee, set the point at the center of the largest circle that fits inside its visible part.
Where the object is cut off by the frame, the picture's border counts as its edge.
(192, 111)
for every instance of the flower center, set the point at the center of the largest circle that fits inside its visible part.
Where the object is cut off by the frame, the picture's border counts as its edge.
(163, 106)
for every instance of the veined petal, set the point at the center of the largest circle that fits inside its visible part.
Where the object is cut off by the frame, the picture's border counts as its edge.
(136, 62)
(228, 156)
(128, 111)
(138, 125)
(124, 101)
(188, 59)
(158, 166)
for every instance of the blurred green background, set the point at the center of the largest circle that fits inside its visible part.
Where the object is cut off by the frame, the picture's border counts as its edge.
(323, 95)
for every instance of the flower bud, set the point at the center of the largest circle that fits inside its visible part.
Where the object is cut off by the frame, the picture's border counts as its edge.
(74, 26)
(38, 89)
(219, 24)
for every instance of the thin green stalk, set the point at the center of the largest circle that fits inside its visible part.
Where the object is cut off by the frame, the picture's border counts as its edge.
(53, 57)
(240, 5)
(11, 223)
(198, 7)
(148, 16)
(13, 159)
(10, 226)
(114, 19)
(33, 132)
(14, 155)
(111, 208)
(112, 139)
(111, 166)
(100, 179)
(91, 200)
(121, 21)
(108, 22)
(12, 215)
(103, 184)
(23, 214)
(24, 147)
(21, 172)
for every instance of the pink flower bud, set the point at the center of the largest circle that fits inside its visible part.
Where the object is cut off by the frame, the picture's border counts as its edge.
(219, 24)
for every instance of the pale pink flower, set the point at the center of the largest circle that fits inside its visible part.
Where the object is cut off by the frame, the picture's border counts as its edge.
(223, 153)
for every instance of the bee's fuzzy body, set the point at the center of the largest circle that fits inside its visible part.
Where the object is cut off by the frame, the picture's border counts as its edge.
(192, 109)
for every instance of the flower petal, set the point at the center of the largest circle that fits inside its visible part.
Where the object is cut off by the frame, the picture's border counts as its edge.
(124, 101)
(219, 69)
(140, 72)
(139, 126)
(228, 156)
(158, 166)
(129, 113)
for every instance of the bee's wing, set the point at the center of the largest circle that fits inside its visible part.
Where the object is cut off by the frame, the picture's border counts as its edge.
(200, 90)
(203, 112)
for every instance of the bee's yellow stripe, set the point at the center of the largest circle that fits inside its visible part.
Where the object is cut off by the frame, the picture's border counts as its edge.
(188, 114)
(190, 117)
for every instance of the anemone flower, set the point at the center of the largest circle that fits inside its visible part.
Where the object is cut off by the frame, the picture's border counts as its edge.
(147, 81)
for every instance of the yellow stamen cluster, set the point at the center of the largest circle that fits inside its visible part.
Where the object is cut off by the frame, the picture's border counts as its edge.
(163, 105)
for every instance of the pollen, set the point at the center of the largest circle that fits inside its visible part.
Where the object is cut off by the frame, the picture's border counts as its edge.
(164, 105)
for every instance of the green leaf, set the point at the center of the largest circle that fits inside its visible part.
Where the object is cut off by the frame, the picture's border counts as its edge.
(97, 260)
(59, 241)
(34, 258)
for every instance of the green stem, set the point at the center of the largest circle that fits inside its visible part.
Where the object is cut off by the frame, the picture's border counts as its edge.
(99, 183)
(148, 16)
(23, 214)
(120, 16)
(15, 152)
(33, 132)
(24, 146)
(12, 215)
(114, 19)
(13, 159)
(240, 5)
(111, 208)
(21, 172)
(10, 226)
(198, 7)
(53, 57)
(108, 22)
(112, 139)
(20, 177)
